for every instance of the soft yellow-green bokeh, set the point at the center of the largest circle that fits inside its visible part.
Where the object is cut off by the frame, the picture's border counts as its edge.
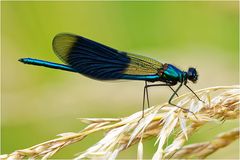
(39, 103)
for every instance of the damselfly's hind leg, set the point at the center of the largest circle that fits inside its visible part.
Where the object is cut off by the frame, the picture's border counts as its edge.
(145, 93)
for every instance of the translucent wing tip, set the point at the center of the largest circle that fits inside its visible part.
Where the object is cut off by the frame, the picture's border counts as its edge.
(62, 44)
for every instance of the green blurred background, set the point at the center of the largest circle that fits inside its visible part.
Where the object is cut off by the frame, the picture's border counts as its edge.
(39, 103)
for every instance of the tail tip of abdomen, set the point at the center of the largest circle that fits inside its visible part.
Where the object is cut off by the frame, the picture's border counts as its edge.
(23, 60)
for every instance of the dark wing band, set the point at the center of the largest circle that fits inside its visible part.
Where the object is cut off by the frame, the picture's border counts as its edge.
(101, 62)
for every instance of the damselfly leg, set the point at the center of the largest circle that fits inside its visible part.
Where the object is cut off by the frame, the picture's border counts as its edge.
(145, 93)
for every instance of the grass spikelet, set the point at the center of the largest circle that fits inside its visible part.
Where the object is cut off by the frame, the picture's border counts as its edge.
(202, 150)
(162, 121)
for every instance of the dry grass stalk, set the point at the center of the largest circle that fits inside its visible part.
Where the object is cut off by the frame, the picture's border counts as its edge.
(221, 103)
(202, 150)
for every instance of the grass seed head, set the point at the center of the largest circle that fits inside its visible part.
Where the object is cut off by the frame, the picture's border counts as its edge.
(162, 121)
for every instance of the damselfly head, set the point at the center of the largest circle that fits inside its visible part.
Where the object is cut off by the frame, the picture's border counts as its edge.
(192, 75)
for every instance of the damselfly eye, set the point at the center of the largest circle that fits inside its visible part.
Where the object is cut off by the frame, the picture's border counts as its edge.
(192, 75)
